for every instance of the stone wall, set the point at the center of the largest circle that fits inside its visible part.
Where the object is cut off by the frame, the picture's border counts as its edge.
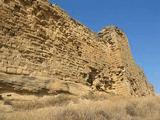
(127, 76)
(40, 42)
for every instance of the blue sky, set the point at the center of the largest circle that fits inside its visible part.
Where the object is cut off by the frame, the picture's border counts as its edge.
(140, 19)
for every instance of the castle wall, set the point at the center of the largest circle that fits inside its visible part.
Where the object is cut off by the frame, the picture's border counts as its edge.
(39, 40)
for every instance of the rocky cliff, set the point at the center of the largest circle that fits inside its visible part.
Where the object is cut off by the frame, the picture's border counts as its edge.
(45, 51)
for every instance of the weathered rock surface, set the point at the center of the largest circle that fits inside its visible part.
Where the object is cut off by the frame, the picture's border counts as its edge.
(45, 51)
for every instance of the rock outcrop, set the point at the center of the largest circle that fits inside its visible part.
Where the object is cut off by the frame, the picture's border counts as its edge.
(45, 51)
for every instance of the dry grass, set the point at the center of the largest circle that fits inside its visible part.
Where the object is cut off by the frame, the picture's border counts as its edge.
(111, 109)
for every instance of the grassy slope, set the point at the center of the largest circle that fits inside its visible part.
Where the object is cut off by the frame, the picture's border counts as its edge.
(84, 109)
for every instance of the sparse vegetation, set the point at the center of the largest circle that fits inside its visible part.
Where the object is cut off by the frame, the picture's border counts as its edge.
(116, 108)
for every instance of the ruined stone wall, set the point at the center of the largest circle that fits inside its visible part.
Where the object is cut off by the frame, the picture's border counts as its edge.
(127, 76)
(41, 42)
(38, 39)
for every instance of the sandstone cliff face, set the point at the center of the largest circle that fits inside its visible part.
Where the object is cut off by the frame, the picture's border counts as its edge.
(44, 51)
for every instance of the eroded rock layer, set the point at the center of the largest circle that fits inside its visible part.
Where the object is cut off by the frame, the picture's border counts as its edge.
(43, 50)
